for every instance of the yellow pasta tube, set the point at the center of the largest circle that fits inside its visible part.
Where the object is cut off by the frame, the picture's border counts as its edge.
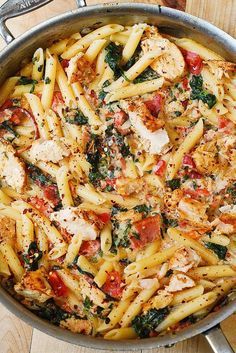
(212, 271)
(12, 260)
(59, 47)
(84, 105)
(182, 239)
(187, 294)
(106, 238)
(94, 49)
(134, 71)
(187, 309)
(190, 141)
(88, 193)
(62, 179)
(38, 64)
(84, 42)
(151, 261)
(7, 88)
(133, 41)
(38, 112)
(73, 249)
(137, 89)
(115, 315)
(120, 334)
(20, 90)
(27, 70)
(65, 88)
(136, 306)
(101, 276)
(4, 269)
(86, 266)
(49, 81)
(5, 199)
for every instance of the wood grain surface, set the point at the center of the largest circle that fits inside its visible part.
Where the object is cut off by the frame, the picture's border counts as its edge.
(15, 335)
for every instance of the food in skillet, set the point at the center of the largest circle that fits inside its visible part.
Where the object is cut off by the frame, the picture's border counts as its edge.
(118, 182)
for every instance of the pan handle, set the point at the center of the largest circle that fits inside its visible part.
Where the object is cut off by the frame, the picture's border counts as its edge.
(14, 8)
(217, 340)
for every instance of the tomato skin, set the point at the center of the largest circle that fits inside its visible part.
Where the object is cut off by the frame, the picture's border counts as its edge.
(104, 217)
(41, 205)
(193, 61)
(57, 284)
(194, 175)
(160, 168)
(65, 63)
(113, 285)
(148, 230)
(188, 161)
(51, 193)
(185, 84)
(7, 104)
(89, 247)
(155, 105)
(196, 194)
(119, 119)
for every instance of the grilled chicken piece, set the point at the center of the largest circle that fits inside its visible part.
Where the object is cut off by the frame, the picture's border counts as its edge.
(171, 63)
(153, 137)
(76, 221)
(12, 169)
(161, 300)
(178, 282)
(7, 230)
(184, 259)
(128, 186)
(77, 325)
(34, 286)
(49, 150)
(193, 211)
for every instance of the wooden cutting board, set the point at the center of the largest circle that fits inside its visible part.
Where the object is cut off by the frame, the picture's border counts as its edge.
(15, 335)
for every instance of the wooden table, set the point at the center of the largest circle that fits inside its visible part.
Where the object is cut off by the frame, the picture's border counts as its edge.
(15, 335)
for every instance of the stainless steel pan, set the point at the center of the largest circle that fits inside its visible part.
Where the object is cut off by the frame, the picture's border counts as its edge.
(169, 20)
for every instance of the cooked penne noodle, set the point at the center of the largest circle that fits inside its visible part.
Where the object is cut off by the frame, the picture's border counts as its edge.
(49, 81)
(7, 88)
(38, 64)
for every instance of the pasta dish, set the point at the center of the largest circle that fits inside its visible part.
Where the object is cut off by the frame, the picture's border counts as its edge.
(118, 182)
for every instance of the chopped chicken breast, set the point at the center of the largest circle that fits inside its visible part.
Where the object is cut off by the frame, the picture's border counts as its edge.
(192, 210)
(184, 259)
(49, 150)
(12, 169)
(34, 286)
(161, 300)
(75, 221)
(7, 229)
(77, 325)
(178, 282)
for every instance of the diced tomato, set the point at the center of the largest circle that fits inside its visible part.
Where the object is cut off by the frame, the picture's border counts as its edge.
(65, 63)
(194, 175)
(51, 193)
(41, 205)
(155, 105)
(57, 284)
(188, 161)
(113, 284)
(7, 104)
(119, 119)
(225, 124)
(148, 230)
(185, 83)
(104, 217)
(57, 99)
(89, 247)
(185, 103)
(160, 168)
(196, 194)
(193, 61)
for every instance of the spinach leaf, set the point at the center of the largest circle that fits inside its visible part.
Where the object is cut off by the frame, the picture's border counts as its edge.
(168, 222)
(76, 118)
(218, 249)
(198, 92)
(113, 58)
(36, 175)
(146, 323)
(53, 313)
(143, 209)
(87, 303)
(174, 183)
(26, 81)
(147, 75)
(32, 257)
